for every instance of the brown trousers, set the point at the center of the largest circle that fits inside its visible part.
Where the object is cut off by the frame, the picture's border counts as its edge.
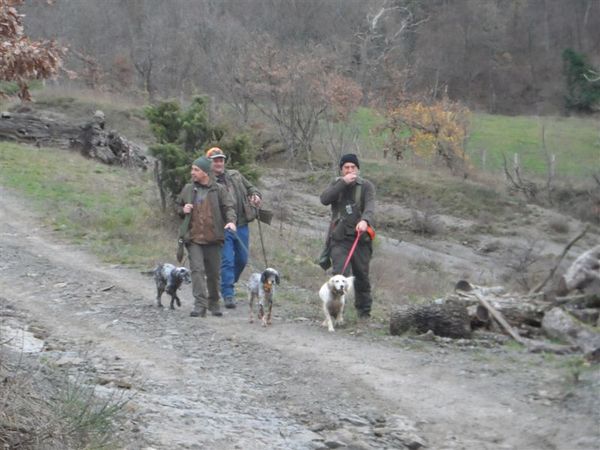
(205, 264)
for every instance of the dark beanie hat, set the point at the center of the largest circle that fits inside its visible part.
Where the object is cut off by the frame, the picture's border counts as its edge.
(204, 163)
(349, 158)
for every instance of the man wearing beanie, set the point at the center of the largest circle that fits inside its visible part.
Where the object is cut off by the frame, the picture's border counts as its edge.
(211, 213)
(246, 200)
(352, 200)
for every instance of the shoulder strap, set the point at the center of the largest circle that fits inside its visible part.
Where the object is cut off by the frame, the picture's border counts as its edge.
(186, 221)
(357, 194)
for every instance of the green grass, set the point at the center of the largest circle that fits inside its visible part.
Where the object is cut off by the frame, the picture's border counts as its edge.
(574, 141)
(111, 210)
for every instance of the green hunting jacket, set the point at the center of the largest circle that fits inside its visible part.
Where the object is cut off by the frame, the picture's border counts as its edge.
(340, 195)
(240, 189)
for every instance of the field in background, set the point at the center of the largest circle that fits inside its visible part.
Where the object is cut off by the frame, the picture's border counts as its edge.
(575, 142)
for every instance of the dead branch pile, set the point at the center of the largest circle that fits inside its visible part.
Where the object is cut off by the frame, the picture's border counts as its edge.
(530, 319)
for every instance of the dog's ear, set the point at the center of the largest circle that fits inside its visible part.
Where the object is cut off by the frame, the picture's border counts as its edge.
(277, 277)
(263, 277)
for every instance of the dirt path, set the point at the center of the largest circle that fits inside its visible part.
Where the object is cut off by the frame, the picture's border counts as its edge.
(222, 383)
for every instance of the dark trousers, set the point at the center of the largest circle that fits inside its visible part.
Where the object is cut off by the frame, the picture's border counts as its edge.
(205, 264)
(361, 258)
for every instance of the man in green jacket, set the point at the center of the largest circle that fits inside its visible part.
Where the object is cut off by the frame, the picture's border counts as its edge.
(352, 200)
(212, 215)
(247, 200)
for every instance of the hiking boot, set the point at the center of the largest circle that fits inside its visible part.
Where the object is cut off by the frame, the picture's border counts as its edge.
(216, 313)
(198, 312)
(229, 302)
(364, 315)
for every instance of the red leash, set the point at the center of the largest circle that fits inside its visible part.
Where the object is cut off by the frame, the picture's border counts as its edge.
(358, 233)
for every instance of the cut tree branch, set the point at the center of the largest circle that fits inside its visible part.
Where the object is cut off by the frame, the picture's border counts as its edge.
(543, 283)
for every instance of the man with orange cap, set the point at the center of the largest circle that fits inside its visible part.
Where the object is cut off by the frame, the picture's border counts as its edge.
(247, 200)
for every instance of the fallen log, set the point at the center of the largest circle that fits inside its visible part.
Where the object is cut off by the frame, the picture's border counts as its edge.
(90, 138)
(578, 301)
(446, 320)
(531, 345)
(584, 273)
(543, 283)
(514, 309)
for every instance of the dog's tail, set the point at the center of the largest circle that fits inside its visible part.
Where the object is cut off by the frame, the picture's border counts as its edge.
(147, 272)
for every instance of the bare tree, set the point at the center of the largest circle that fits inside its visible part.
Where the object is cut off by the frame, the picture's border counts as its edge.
(380, 39)
(294, 91)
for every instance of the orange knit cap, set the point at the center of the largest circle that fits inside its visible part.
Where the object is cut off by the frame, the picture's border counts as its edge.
(215, 152)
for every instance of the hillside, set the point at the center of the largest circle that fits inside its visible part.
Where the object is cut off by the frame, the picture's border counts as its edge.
(223, 383)
(72, 289)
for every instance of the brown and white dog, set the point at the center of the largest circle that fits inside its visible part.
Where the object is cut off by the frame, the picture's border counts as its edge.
(262, 286)
(333, 294)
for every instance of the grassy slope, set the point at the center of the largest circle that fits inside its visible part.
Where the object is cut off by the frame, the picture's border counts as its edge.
(109, 209)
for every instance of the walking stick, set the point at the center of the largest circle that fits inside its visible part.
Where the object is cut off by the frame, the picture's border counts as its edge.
(262, 244)
(351, 252)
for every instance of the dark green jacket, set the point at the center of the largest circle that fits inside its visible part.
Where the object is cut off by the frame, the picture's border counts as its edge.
(240, 189)
(223, 210)
(341, 197)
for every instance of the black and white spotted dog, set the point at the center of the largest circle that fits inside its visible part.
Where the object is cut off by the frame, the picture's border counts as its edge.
(170, 278)
(262, 286)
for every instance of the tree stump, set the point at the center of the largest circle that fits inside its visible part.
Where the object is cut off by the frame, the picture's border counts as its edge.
(446, 320)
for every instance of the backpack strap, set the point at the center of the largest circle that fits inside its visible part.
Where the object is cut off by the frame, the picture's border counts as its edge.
(358, 194)
(186, 220)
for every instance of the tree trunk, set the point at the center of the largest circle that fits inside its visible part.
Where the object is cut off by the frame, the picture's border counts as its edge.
(445, 320)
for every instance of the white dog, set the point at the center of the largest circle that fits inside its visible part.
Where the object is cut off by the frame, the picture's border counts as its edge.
(333, 294)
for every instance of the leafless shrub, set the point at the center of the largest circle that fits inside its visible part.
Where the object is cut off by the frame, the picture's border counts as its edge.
(516, 182)
(559, 225)
(521, 262)
(426, 223)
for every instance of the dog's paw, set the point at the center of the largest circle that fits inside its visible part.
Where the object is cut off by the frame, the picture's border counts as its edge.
(331, 329)
(159, 305)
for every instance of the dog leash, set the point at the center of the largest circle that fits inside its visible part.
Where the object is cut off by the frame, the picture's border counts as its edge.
(239, 239)
(358, 233)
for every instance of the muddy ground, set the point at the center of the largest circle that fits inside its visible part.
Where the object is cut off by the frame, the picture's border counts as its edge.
(223, 383)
